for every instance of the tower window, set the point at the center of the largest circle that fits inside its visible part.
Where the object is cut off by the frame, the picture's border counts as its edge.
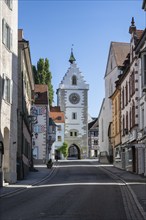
(74, 115)
(74, 80)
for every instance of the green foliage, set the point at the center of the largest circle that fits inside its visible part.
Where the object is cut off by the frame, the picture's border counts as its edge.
(42, 75)
(64, 149)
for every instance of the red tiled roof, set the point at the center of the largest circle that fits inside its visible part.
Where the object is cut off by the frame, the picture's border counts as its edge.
(55, 109)
(41, 94)
(139, 33)
(58, 117)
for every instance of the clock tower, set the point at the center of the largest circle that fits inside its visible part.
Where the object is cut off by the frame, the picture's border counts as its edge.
(72, 97)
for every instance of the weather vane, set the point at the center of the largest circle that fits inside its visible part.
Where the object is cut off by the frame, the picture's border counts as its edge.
(72, 47)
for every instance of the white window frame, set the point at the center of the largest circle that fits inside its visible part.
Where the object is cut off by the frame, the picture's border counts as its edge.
(6, 35)
(143, 69)
(7, 89)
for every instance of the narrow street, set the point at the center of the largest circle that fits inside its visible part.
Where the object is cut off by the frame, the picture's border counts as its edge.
(76, 190)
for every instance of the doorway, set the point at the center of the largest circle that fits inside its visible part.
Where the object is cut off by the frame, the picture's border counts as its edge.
(74, 152)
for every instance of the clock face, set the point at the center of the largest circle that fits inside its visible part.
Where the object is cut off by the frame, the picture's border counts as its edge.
(74, 98)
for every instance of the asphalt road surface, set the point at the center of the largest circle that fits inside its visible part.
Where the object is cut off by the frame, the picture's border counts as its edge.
(77, 190)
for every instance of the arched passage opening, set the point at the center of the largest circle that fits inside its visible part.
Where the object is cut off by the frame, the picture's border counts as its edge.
(74, 152)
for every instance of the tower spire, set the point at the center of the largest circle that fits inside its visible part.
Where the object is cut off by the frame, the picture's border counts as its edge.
(132, 28)
(72, 58)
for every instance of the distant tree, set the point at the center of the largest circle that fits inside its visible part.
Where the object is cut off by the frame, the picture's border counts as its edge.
(64, 149)
(42, 75)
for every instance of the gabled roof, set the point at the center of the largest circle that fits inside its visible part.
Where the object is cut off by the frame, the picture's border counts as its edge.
(120, 50)
(58, 117)
(93, 124)
(41, 94)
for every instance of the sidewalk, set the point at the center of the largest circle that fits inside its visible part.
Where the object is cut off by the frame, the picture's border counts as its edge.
(32, 178)
(136, 184)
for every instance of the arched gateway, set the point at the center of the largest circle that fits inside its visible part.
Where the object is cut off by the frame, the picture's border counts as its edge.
(74, 152)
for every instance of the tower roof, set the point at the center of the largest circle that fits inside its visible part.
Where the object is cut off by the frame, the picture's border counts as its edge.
(72, 58)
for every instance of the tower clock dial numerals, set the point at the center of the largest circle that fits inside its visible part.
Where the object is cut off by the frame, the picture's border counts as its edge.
(74, 98)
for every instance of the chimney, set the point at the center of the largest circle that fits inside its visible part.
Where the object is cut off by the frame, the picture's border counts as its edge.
(20, 34)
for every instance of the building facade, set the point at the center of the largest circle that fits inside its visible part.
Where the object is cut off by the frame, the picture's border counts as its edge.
(40, 128)
(8, 88)
(117, 54)
(93, 139)
(115, 137)
(25, 101)
(58, 117)
(72, 97)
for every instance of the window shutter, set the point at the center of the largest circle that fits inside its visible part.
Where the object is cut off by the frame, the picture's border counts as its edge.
(11, 91)
(4, 31)
(3, 86)
(144, 66)
(11, 4)
(11, 39)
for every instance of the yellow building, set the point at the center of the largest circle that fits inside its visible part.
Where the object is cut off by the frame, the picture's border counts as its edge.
(116, 126)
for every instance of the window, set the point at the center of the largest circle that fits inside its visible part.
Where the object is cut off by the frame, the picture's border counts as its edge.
(142, 116)
(41, 110)
(6, 35)
(7, 89)
(95, 142)
(39, 128)
(59, 118)
(59, 138)
(127, 120)
(144, 72)
(133, 83)
(74, 115)
(133, 114)
(74, 80)
(59, 127)
(116, 107)
(126, 93)
(123, 98)
(9, 3)
(123, 125)
(73, 133)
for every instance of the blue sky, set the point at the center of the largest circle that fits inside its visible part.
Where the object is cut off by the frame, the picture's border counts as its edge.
(53, 26)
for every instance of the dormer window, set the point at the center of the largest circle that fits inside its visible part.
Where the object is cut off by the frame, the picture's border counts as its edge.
(59, 118)
(74, 80)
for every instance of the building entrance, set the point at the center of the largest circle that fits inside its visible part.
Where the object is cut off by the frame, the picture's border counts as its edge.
(74, 152)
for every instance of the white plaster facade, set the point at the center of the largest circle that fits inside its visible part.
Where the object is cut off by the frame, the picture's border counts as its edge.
(117, 54)
(40, 134)
(72, 97)
(59, 140)
(141, 54)
(9, 77)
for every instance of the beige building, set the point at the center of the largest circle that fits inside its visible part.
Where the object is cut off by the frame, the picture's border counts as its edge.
(115, 137)
(8, 87)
